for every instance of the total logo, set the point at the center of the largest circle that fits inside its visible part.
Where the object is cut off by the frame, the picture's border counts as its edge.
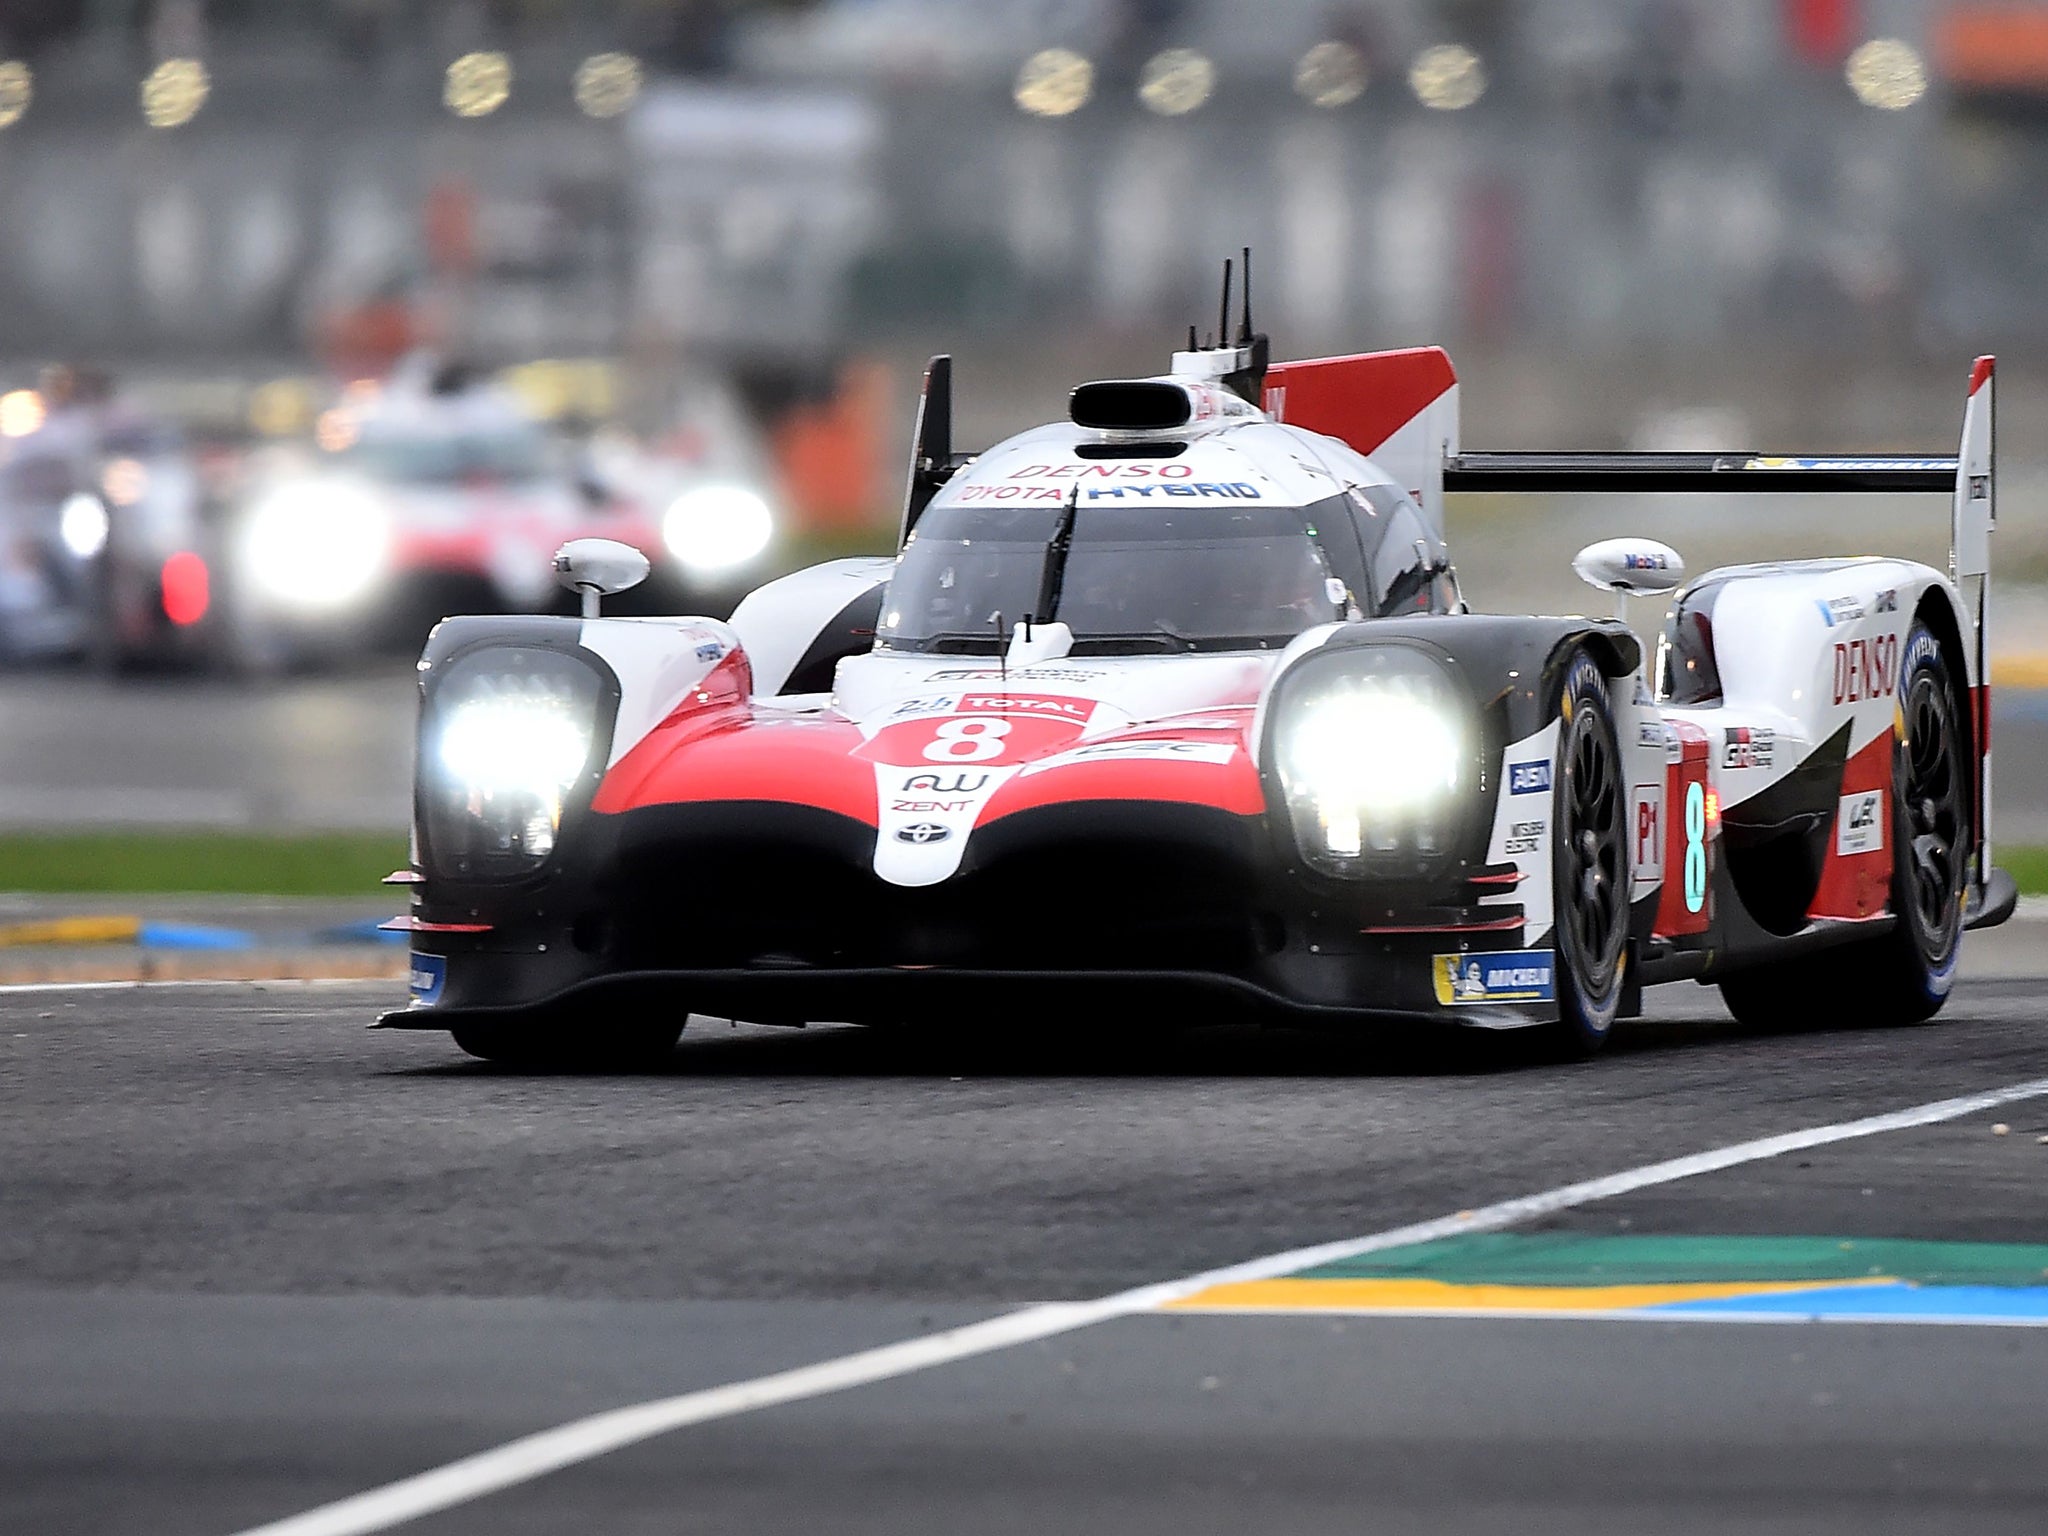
(1046, 706)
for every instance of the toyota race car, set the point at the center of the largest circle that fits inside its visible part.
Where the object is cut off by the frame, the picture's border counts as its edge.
(1178, 698)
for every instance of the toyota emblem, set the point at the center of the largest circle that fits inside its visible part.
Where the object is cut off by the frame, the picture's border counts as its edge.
(922, 832)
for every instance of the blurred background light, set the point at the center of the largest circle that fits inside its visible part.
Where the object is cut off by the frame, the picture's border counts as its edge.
(1448, 77)
(1176, 82)
(21, 412)
(17, 90)
(1331, 75)
(1886, 73)
(281, 407)
(713, 528)
(83, 525)
(335, 430)
(1054, 82)
(477, 84)
(125, 481)
(173, 93)
(607, 84)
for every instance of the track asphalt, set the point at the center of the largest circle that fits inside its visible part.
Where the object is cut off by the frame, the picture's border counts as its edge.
(254, 1258)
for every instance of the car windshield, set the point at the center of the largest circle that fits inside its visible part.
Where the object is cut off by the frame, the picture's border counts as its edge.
(1203, 577)
(452, 459)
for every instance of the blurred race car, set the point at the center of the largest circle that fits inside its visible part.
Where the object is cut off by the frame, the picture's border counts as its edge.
(106, 549)
(437, 493)
(1178, 699)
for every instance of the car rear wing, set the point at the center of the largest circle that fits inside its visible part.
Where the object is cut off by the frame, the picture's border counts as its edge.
(1968, 477)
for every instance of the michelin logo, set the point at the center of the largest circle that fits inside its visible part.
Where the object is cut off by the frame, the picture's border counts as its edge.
(1506, 976)
(429, 975)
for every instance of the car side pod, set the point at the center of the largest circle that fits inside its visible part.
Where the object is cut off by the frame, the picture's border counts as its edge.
(597, 568)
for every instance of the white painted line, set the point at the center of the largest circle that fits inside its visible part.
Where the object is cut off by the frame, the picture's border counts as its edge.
(535, 1455)
(130, 984)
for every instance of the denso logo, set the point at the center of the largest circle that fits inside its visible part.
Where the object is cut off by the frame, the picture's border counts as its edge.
(1866, 669)
(1528, 778)
(1139, 471)
(1040, 704)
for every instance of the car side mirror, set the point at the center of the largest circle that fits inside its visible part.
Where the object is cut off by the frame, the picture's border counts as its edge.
(1628, 567)
(597, 568)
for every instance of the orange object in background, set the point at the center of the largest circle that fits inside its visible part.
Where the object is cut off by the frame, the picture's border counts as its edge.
(1993, 47)
(830, 455)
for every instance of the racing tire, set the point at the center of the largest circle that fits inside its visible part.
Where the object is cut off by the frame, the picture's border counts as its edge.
(558, 1045)
(1590, 874)
(1905, 975)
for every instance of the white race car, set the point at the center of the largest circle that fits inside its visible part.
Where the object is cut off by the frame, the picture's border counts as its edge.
(1178, 698)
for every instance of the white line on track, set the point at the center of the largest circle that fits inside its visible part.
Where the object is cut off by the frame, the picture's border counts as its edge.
(131, 983)
(535, 1455)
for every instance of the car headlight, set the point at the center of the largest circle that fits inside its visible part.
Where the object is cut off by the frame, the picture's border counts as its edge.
(1374, 749)
(82, 524)
(316, 547)
(716, 528)
(507, 741)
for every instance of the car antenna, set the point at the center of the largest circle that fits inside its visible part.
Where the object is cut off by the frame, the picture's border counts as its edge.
(1002, 650)
(1249, 381)
(1244, 329)
(1223, 323)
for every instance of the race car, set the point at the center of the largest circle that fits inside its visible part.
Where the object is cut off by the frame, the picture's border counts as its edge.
(436, 490)
(107, 549)
(1178, 702)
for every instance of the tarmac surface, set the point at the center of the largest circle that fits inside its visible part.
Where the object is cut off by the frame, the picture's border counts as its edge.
(255, 1258)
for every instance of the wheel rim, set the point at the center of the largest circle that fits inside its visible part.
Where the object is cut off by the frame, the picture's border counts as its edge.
(1593, 886)
(1927, 784)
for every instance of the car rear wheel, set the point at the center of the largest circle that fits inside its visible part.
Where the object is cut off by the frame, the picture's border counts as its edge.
(1904, 976)
(1590, 880)
(573, 1044)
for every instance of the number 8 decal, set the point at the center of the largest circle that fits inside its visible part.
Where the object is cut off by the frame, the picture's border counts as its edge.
(1695, 846)
(967, 741)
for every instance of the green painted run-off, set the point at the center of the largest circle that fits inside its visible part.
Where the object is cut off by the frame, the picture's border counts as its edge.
(1574, 1258)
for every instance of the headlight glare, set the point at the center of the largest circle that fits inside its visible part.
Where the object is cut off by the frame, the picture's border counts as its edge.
(318, 547)
(83, 524)
(716, 528)
(1374, 752)
(509, 737)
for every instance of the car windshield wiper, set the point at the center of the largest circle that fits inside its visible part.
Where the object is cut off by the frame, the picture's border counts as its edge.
(960, 642)
(1053, 575)
(1165, 637)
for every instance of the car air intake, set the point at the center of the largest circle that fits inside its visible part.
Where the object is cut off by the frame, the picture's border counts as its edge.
(1130, 405)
